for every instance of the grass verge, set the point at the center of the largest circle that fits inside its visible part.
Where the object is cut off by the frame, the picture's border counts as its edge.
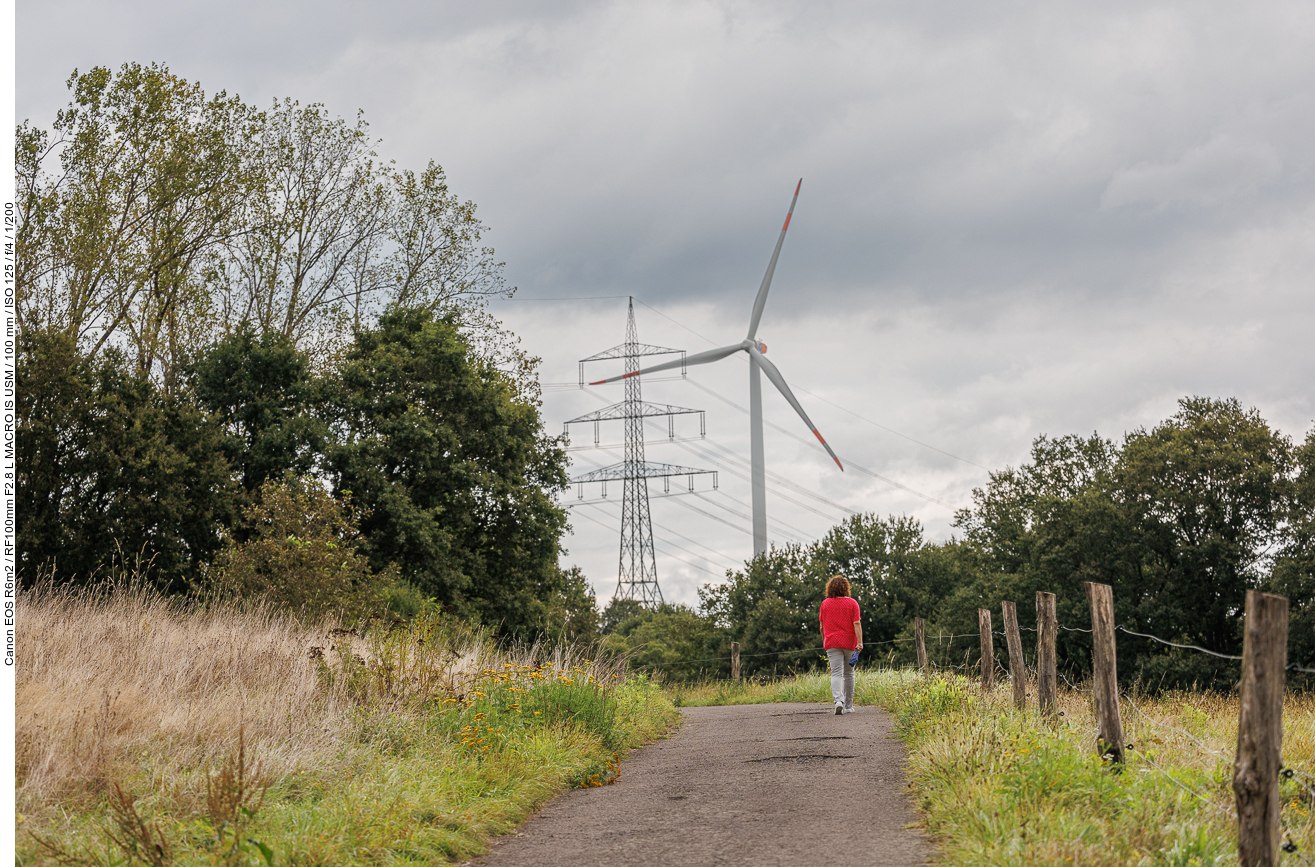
(1000, 787)
(151, 734)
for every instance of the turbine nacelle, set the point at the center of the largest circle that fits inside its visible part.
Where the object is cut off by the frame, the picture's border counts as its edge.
(757, 351)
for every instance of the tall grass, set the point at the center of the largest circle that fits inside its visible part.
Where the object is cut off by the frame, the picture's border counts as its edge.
(222, 733)
(1000, 787)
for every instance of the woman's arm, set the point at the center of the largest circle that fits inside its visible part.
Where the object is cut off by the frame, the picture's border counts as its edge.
(858, 633)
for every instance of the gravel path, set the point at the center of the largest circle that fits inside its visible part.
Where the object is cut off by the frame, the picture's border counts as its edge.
(773, 784)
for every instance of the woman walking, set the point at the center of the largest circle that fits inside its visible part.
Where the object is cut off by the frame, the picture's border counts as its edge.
(842, 635)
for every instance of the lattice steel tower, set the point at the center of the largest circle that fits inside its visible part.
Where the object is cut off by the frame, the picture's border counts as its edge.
(637, 573)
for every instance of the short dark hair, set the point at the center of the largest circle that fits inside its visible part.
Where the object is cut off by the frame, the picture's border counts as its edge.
(837, 586)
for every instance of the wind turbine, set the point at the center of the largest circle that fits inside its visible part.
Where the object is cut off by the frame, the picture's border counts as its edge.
(756, 351)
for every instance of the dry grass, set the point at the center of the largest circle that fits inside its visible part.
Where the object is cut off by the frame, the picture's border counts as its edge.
(142, 723)
(999, 787)
(112, 677)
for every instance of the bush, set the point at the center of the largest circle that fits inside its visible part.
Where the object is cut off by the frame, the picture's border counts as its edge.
(300, 555)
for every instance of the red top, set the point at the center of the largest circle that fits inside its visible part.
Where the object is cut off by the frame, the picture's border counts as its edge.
(838, 616)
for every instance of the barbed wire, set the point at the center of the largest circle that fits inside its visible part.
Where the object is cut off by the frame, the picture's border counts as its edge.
(1216, 753)
(1070, 683)
(1180, 784)
(1293, 773)
(1290, 848)
(1122, 628)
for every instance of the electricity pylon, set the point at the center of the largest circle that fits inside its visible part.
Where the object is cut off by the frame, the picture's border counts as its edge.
(637, 573)
(758, 366)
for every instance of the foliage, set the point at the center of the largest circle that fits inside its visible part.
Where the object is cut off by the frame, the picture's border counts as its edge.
(261, 391)
(892, 571)
(151, 179)
(155, 217)
(671, 640)
(416, 744)
(571, 613)
(618, 611)
(1180, 520)
(299, 554)
(1294, 566)
(771, 606)
(110, 467)
(454, 470)
(190, 272)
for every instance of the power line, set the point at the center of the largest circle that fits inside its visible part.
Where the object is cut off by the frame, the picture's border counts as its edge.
(798, 534)
(687, 562)
(812, 445)
(739, 475)
(824, 400)
(664, 542)
(681, 501)
(780, 479)
(775, 490)
(576, 298)
(734, 564)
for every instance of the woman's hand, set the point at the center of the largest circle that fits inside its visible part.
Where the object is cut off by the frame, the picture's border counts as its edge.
(860, 646)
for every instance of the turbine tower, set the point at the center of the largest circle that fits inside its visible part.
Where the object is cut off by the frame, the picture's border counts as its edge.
(759, 365)
(637, 573)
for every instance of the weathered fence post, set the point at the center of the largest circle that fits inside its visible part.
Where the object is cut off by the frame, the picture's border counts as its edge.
(1260, 729)
(1105, 673)
(1047, 682)
(988, 649)
(1017, 667)
(735, 660)
(920, 635)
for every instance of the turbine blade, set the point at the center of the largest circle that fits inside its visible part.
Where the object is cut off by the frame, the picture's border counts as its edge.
(779, 381)
(761, 301)
(698, 358)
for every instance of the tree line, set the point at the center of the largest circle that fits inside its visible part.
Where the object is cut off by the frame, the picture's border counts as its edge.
(1181, 520)
(253, 357)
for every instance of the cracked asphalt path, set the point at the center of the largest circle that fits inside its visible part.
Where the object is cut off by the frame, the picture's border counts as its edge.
(767, 784)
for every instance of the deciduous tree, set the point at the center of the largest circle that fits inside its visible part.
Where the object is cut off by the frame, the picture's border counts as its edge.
(455, 471)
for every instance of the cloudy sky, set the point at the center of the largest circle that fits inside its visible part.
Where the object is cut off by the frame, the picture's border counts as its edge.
(1016, 218)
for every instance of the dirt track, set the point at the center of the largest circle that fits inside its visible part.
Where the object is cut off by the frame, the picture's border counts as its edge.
(774, 784)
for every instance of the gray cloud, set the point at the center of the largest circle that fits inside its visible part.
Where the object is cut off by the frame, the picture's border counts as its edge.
(1016, 218)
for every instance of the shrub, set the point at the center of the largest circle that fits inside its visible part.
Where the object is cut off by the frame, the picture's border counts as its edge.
(300, 554)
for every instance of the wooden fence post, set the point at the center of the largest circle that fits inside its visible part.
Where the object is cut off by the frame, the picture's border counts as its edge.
(920, 635)
(1260, 729)
(1047, 682)
(1105, 672)
(1017, 667)
(735, 660)
(988, 649)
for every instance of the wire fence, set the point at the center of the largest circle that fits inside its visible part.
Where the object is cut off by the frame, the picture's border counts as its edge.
(942, 638)
(1142, 748)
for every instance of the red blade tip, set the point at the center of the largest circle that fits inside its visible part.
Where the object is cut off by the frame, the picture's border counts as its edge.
(798, 185)
(599, 382)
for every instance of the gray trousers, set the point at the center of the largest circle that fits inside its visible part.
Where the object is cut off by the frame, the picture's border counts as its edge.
(842, 676)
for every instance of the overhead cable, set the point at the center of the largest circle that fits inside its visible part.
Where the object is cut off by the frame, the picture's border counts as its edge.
(824, 400)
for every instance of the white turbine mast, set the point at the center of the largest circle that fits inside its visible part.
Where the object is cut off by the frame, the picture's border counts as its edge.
(756, 351)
